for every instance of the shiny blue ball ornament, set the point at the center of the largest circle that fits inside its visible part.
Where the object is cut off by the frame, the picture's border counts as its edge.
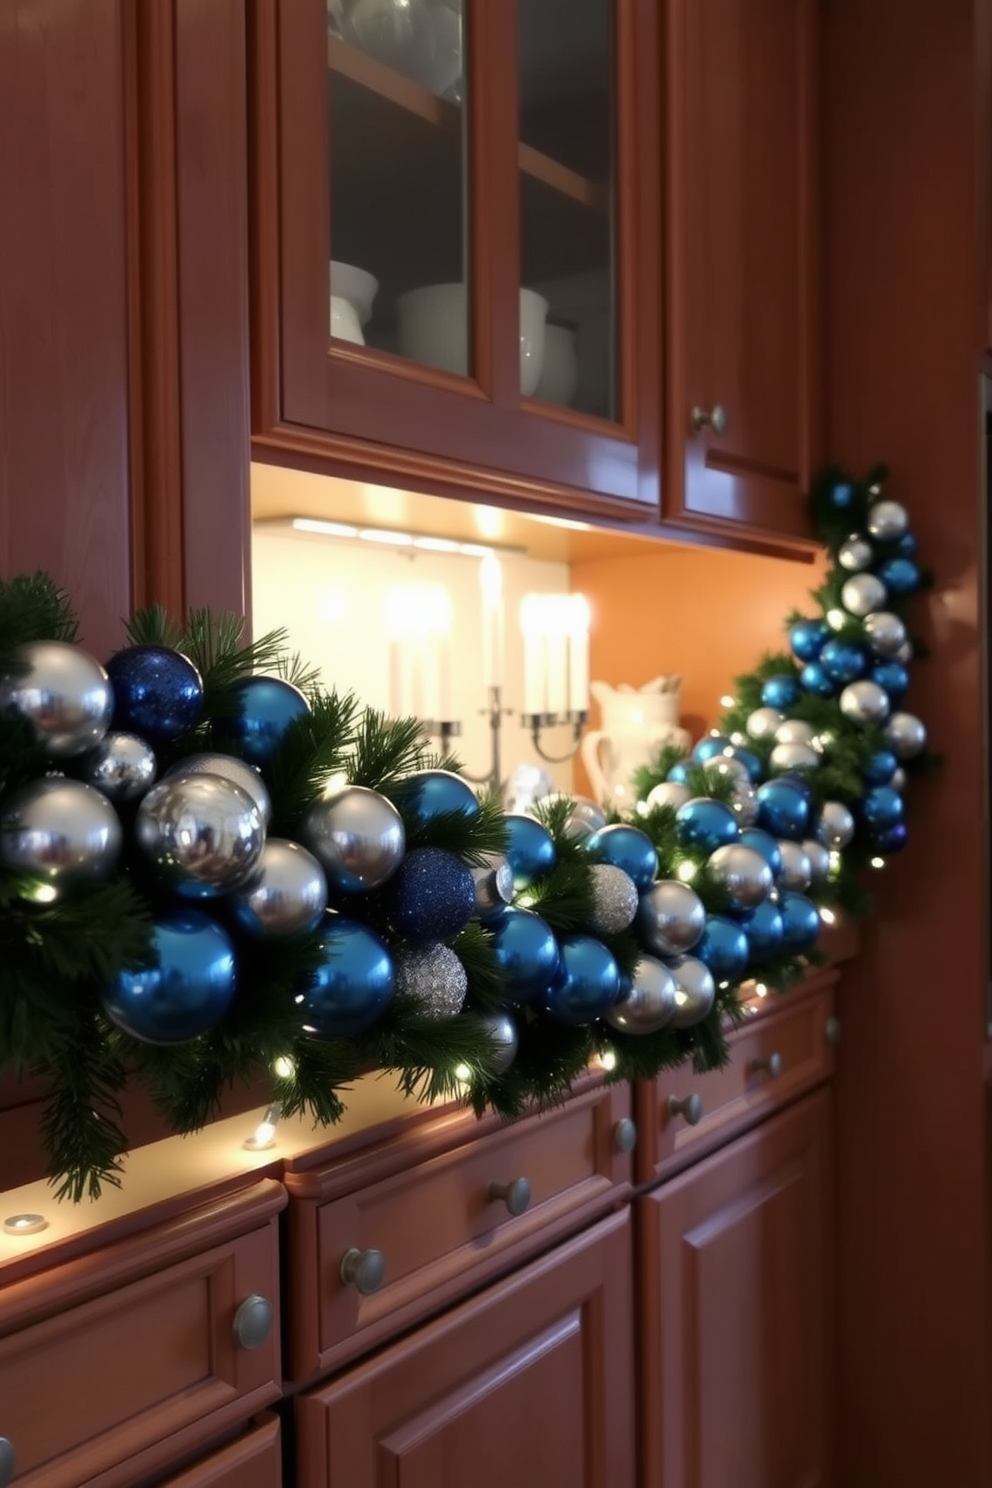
(530, 851)
(907, 546)
(815, 680)
(882, 807)
(429, 793)
(709, 747)
(899, 575)
(751, 762)
(893, 839)
(586, 984)
(628, 848)
(807, 639)
(764, 931)
(781, 691)
(187, 991)
(766, 845)
(841, 495)
(723, 948)
(679, 772)
(526, 953)
(800, 922)
(158, 693)
(783, 808)
(706, 824)
(893, 677)
(265, 708)
(351, 984)
(842, 662)
(431, 896)
(880, 767)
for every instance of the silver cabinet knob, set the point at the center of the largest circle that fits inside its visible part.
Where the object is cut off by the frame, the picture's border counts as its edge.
(714, 418)
(252, 1323)
(515, 1195)
(769, 1064)
(689, 1106)
(832, 1030)
(365, 1270)
(6, 1461)
(625, 1135)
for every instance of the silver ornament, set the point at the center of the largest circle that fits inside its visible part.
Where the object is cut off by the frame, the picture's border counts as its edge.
(898, 781)
(434, 977)
(650, 1002)
(905, 653)
(835, 826)
(202, 833)
(695, 991)
(744, 803)
(526, 786)
(357, 836)
(285, 896)
(493, 885)
(763, 722)
(62, 693)
(797, 871)
(906, 735)
(585, 818)
(795, 731)
(865, 703)
(862, 594)
(726, 767)
(614, 899)
(58, 834)
(819, 860)
(503, 1032)
(122, 767)
(229, 768)
(855, 553)
(887, 520)
(786, 757)
(742, 872)
(671, 793)
(885, 633)
(670, 917)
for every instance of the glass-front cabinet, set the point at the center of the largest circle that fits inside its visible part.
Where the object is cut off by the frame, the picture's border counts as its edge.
(457, 260)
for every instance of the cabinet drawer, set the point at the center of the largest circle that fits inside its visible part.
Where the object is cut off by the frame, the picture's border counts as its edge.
(432, 1219)
(115, 1366)
(775, 1057)
(253, 1461)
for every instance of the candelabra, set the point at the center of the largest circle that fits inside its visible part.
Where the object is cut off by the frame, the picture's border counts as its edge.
(535, 722)
(447, 729)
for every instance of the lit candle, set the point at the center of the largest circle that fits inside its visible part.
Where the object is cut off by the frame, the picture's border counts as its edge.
(556, 682)
(393, 608)
(445, 660)
(532, 626)
(491, 583)
(395, 678)
(578, 654)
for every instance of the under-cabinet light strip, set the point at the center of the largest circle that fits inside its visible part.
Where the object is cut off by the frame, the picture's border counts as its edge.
(389, 537)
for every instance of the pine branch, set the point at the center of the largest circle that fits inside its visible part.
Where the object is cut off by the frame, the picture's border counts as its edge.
(80, 1125)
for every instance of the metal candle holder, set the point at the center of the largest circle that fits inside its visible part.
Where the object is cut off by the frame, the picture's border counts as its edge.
(535, 722)
(448, 729)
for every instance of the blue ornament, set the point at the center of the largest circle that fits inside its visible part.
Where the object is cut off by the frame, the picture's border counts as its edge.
(723, 948)
(679, 772)
(882, 807)
(807, 639)
(531, 850)
(764, 931)
(815, 680)
(352, 982)
(709, 748)
(266, 706)
(431, 896)
(893, 839)
(526, 953)
(907, 546)
(899, 575)
(800, 922)
(842, 662)
(893, 677)
(880, 767)
(586, 984)
(706, 824)
(766, 845)
(750, 761)
(780, 691)
(429, 793)
(187, 991)
(783, 808)
(628, 848)
(841, 495)
(158, 693)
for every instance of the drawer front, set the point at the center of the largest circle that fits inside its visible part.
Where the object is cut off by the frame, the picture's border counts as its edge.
(123, 1383)
(438, 1229)
(253, 1461)
(776, 1057)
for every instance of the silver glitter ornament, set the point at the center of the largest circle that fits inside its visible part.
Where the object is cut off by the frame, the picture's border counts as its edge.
(855, 554)
(670, 917)
(865, 703)
(787, 757)
(202, 833)
(229, 768)
(614, 899)
(796, 872)
(726, 767)
(862, 594)
(695, 991)
(744, 803)
(434, 977)
(835, 826)
(503, 1032)
(285, 896)
(62, 693)
(906, 735)
(763, 722)
(819, 860)
(887, 521)
(122, 767)
(671, 793)
(493, 885)
(885, 633)
(650, 1002)
(795, 731)
(742, 873)
(58, 834)
(357, 836)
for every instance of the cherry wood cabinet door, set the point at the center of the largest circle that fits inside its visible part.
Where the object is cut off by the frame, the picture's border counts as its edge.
(743, 382)
(253, 1461)
(531, 1382)
(734, 1279)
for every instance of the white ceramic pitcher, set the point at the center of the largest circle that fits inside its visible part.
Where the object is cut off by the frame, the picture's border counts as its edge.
(636, 723)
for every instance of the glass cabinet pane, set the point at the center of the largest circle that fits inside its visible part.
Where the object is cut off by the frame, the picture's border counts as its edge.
(398, 152)
(567, 181)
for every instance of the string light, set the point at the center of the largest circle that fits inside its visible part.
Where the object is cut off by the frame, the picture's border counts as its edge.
(283, 1068)
(878, 862)
(608, 1060)
(727, 701)
(686, 871)
(836, 619)
(827, 915)
(264, 1135)
(462, 1074)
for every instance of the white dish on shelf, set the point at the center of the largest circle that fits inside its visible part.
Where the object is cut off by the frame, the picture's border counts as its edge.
(432, 327)
(345, 325)
(357, 286)
(559, 381)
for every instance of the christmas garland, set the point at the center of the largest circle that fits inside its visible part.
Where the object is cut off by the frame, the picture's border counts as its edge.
(212, 868)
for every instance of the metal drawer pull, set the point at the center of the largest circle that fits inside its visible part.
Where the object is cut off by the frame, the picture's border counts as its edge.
(6, 1462)
(365, 1270)
(625, 1135)
(689, 1106)
(253, 1323)
(832, 1031)
(714, 418)
(771, 1064)
(515, 1195)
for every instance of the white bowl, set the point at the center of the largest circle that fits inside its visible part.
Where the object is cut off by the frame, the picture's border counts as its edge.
(345, 325)
(559, 380)
(432, 327)
(355, 285)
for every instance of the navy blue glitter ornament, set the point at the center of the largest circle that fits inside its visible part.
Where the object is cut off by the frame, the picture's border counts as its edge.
(431, 896)
(158, 693)
(706, 824)
(710, 747)
(766, 845)
(880, 767)
(815, 680)
(893, 839)
(893, 677)
(783, 808)
(530, 850)
(807, 639)
(187, 991)
(723, 948)
(266, 706)
(780, 691)
(899, 575)
(526, 953)
(842, 662)
(428, 793)
(882, 808)
(351, 984)
(764, 930)
(586, 984)
(628, 848)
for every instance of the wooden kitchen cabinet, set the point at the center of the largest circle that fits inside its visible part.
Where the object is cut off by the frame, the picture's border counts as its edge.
(253, 1461)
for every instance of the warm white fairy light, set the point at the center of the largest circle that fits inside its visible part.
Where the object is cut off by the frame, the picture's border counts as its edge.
(878, 862)
(608, 1060)
(760, 990)
(264, 1135)
(727, 701)
(686, 871)
(837, 619)
(462, 1074)
(283, 1067)
(827, 915)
